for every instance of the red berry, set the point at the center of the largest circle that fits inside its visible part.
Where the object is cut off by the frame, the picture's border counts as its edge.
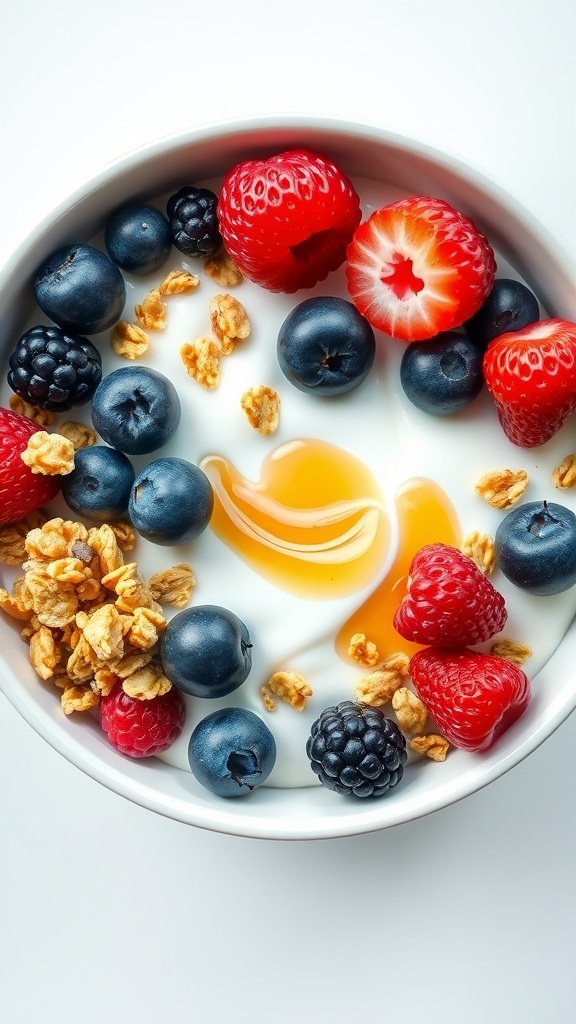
(21, 490)
(287, 221)
(418, 267)
(531, 375)
(473, 698)
(449, 602)
(140, 728)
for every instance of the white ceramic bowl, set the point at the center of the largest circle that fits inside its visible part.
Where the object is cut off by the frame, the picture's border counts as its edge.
(203, 153)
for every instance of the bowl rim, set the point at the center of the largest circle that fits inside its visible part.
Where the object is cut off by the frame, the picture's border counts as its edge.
(220, 820)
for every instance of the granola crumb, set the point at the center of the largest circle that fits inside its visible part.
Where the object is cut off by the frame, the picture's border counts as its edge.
(564, 476)
(125, 535)
(179, 282)
(173, 586)
(410, 711)
(152, 312)
(44, 653)
(290, 687)
(222, 269)
(49, 454)
(13, 537)
(129, 341)
(363, 651)
(147, 683)
(43, 417)
(78, 698)
(378, 688)
(202, 361)
(229, 321)
(480, 548)
(433, 746)
(502, 488)
(262, 407)
(513, 651)
(79, 434)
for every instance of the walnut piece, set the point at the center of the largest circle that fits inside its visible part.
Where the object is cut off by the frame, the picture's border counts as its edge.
(229, 321)
(13, 537)
(152, 313)
(222, 269)
(202, 361)
(513, 651)
(290, 687)
(433, 746)
(502, 488)
(49, 454)
(262, 407)
(129, 341)
(79, 434)
(179, 282)
(78, 698)
(410, 711)
(564, 476)
(378, 688)
(173, 586)
(43, 417)
(480, 548)
(362, 650)
(147, 683)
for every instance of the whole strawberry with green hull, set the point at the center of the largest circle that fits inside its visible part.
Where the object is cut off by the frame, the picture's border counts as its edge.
(473, 698)
(21, 491)
(531, 375)
(418, 267)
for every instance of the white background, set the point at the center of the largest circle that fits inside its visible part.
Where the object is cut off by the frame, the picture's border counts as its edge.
(109, 913)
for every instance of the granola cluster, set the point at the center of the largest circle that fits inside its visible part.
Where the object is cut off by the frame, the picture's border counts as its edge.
(480, 548)
(90, 619)
(502, 488)
(261, 405)
(290, 687)
(230, 324)
(49, 454)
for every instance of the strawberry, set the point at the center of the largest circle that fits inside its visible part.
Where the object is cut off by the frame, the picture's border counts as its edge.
(21, 491)
(449, 602)
(287, 221)
(418, 267)
(473, 698)
(531, 375)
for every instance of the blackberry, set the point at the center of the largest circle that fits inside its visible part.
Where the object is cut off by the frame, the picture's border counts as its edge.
(193, 221)
(54, 370)
(355, 750)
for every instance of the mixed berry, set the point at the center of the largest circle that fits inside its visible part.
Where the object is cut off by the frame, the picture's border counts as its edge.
(418, 271)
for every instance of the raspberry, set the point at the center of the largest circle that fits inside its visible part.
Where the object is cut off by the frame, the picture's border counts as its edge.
(356, 751)
(53, 370)
(193, 221)
(473, 698)
(21, 491)
(140, 728)
(287, 221)
(449, 602)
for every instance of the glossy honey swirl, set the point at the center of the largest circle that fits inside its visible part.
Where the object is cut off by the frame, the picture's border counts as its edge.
(314, 524)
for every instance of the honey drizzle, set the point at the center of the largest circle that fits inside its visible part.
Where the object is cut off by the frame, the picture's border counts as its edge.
(314, 523)
(425, 516)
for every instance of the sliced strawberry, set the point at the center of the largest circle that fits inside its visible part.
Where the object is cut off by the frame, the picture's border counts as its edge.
(418, 267)
(531, 375)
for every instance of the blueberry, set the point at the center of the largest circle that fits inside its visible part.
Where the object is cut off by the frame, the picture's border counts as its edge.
(535, 547)
(510, 306)
(171, 502)
(99, 485)
(231, 752)
(136, 409)
(80, 289)
(206, 651)
(443, 375)
(326, 346)
(138, 238)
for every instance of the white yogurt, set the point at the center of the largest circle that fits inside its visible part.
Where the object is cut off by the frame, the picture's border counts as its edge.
(375, 422)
